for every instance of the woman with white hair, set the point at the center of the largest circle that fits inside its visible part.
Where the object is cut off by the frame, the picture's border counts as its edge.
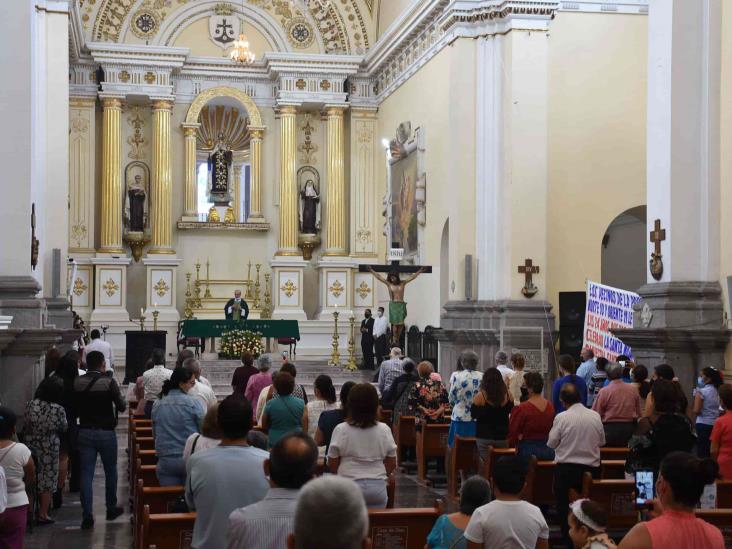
(259, 381)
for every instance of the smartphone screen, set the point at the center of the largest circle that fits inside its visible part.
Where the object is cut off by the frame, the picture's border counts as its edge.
(644, 486)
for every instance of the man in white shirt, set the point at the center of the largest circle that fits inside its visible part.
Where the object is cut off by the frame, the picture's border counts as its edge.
(154, 378)
(503, 367)
(3, 491)
(268, 523)
(576, 436)
(97, 344)
(508, 521)
(390, 370)
(200, 390)
(381, 326)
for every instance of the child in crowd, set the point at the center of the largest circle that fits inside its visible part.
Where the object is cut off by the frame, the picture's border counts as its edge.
(587, 523)
(447, 533)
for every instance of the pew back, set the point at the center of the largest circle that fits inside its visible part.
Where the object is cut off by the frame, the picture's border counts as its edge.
(401, 528)
(167, 531)
(431, 443)
(617, 498)
(463, 457)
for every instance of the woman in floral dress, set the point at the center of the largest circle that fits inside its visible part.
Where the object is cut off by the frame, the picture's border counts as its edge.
(428, 398)
(45, 418)
(464, 385)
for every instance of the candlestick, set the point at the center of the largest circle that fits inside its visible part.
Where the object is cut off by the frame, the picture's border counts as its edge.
(207, 293)
(142, 323)
(335, 356)
(351, 364)
(249, 296)
(267, 309)
(155, 320)
(188, 311)
(257, 287)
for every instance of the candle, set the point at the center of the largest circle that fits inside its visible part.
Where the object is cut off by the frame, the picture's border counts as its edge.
(142, 311)
(155, 305)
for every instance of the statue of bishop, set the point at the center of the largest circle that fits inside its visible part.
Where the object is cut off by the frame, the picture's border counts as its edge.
(219, 170)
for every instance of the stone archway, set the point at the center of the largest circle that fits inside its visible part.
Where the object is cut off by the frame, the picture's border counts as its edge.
(623, 255)
(256, 131)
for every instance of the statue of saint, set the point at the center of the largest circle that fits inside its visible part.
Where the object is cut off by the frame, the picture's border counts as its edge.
(136, 194)
(309, 218)
(219, 169)
(397, 305)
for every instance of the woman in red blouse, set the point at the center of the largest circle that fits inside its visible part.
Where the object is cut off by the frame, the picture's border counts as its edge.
(531, 421)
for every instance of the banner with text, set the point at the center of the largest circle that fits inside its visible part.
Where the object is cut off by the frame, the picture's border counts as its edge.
(607, 308)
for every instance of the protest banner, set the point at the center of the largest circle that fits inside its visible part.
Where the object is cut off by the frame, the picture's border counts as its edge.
(607, 308)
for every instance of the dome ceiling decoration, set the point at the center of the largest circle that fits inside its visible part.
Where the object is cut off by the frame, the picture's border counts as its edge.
(342, 26)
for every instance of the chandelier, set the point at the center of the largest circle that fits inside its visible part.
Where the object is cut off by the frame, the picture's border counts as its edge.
(241, 52)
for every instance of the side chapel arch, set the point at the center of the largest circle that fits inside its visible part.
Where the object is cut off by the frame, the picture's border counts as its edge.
(256, 130)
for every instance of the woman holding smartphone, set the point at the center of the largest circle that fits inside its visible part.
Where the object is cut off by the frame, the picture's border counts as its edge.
(679, 487)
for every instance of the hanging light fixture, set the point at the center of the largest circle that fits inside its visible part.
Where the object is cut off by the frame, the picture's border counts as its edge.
(241, 52)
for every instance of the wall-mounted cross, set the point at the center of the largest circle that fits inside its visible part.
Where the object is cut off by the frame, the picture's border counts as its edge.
(658, 235)
(528, 269)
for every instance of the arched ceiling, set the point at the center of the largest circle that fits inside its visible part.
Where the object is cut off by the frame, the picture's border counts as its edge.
(342, 27)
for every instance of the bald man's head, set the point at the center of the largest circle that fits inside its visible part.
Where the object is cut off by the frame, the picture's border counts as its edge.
(569, 395)
(292, 461)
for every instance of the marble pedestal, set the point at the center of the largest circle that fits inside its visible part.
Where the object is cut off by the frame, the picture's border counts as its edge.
(681, 324)
(489, 326)
(335, 281)
(288, 274)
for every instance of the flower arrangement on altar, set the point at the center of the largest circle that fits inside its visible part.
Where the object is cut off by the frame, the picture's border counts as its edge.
(235, 342)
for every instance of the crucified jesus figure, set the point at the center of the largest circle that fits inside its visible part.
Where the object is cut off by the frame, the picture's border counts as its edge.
(397, 305)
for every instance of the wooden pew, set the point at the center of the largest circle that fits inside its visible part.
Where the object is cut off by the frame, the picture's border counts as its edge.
(385, 416)
(390, 491)
(612, 469)
(724, 494)
(617, 497)
(145, 443)
(722, 519)
(540, 482)
(147, 457)
(168, 530)
(146, 473)
(431, 443)
(494, 454)
(463, 457)
(402, 528)
(405, 436)
(157, 499)
(614, 453)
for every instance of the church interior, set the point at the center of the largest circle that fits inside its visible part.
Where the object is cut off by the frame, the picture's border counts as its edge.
(505, 158)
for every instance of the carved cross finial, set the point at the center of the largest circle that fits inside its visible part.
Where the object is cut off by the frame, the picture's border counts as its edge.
(528, 269)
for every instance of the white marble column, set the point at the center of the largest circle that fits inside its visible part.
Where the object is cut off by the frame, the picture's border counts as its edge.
(82, 169)
(684, 52)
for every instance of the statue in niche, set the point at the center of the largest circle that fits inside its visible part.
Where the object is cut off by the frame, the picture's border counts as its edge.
(219, 170)
(309, 184)
(136, 197)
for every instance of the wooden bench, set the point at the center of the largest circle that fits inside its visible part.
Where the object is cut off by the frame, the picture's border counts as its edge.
(722, 519)
(540, 482)
(147, 457)
(145, 443)
(405, 436)
(146, 473)
(431, 443)
(157, 499)
(385, 416)
(617, 497)
(612, 469)
(724, 494)
(614, 453)
(167, 530)
(402, 528)
(494, 454)
(463, 457)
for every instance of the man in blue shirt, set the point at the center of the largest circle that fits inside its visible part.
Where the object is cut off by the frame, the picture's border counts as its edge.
(587, 369)
(567, 375)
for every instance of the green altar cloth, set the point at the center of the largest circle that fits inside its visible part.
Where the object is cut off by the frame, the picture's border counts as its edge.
(215, 328)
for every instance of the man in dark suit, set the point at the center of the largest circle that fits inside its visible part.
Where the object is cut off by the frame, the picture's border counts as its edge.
(367, 340)
(236, 308)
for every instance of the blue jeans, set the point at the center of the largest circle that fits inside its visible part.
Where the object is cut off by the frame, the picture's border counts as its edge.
(171, 471)
(92, 442)
(538, 448)
(703, 444)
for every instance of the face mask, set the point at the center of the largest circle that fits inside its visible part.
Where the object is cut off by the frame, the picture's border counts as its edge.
(368, 315)
(378, 314)
(700, 382)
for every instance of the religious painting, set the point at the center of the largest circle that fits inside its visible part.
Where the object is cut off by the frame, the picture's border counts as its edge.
(136, 213)
(405, 199)
(308, 184)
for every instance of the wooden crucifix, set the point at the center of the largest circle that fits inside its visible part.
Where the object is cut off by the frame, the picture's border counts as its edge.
(658, 235)
(528, 269)
(395, 284)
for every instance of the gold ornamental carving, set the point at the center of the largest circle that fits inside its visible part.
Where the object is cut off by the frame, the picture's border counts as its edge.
(110, 287)
(229, 216)
(79, 286)
(124, 77)
(363, 290)
(213, 215)
(300, 84)
(308, 148)
(324, 85)
(161, 288)
(79, 124)
(336, 289)
(289, 288)
(78, 233)
(136, 141)
(149, 77)
(223, 91)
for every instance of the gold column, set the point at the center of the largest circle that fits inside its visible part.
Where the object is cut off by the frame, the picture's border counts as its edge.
(162, 181)
(190, 204)
(255, 175)
(236, 180)
(335, 229)
(111, 214)
(287, 244)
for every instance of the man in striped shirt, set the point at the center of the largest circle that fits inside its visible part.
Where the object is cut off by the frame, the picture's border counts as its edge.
(267, 523)
(390, 370)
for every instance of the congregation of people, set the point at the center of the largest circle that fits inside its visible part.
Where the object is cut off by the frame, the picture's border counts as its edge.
(267, 467)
